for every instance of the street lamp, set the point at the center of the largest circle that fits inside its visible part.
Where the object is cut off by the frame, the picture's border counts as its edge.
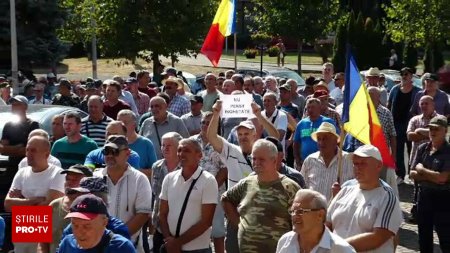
(14, 61)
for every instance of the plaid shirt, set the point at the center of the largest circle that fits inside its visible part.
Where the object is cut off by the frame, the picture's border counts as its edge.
(142, 101)
(418, 121)
(179, 106)
(387, 123)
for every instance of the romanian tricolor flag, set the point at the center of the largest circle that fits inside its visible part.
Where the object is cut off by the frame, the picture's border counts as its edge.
(222, 26)
(359, 114)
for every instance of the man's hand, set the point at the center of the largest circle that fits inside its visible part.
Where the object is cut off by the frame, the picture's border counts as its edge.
(335, 188)
(217, 107)
(413, 175)
(256, 109)
(16, 193)
(172, 245)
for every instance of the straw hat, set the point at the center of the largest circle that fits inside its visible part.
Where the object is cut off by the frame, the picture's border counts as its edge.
(325, 127)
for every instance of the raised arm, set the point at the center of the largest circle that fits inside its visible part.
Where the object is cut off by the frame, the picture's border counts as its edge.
(268, 126)
(213, 138)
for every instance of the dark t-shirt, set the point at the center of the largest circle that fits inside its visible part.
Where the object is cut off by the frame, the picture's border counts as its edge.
(149, 91)
(402, 107)
(16, 133)
(438, 161)
(112, 111)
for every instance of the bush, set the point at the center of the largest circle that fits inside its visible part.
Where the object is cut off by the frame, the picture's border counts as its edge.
(250, 53)
(273, 51)
(261, 38)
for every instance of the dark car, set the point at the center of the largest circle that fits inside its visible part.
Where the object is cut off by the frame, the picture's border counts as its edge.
(276, 72)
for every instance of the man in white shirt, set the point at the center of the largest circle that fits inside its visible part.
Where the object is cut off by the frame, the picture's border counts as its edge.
(35, 185)
(51, 159)
(195, 190)
(308, 212)
(129, 190)
(39, 95)
(277, 117)
(366, 211)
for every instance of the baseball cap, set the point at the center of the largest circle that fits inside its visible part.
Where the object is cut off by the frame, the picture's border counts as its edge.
(285, 87)
(438, 121)
(170, 70)
(91, 185)
(117, 142)
(131, 80)
(87, 207)
(368, 151)
(65, 82)
(429, 76)
(79, 169)
(19, 98)
(196, 99)
(320, 93)
(247, 124)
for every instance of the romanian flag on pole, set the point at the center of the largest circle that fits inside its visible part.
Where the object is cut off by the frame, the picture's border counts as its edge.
(222, 26)
(359, 114)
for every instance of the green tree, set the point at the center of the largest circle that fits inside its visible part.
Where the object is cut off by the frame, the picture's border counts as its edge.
(339, 47)
(141, 28)
(37, 40)
(302, 20)
(419, 23)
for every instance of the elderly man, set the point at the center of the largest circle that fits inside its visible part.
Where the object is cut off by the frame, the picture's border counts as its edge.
(228, 87)
(304, 145)
(441, 102)
(296, 98)
(192, 119)
(51, 159)
(36, 185)
(129, 193)
(138, 143)
(39, 95)
(94, 125)
(210, 94)
(160, 169)
(178, 105)
(366, 212)
(258, 85)
(161, 122)
(373, 80)
(188, 200)
(309, 212)
(15, 133)
(320, 169)
(89, 216)
(262, 199)
(432, 172)
(73, 148)
(249, 87)
(271, 84)
(96, 158)
(274, 115)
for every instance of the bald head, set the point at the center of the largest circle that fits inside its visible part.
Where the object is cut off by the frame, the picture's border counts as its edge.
(116, 128)
(40, 141)
(374, 93)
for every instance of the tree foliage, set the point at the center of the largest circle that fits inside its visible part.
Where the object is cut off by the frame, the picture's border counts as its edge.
(129, 28)
(302, 20)
(36, 22)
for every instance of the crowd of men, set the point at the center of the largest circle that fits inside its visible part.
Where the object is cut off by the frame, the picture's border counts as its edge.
(151, 158)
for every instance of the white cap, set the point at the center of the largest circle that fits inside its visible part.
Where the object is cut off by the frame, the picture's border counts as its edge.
(368, 151)
(247, 124)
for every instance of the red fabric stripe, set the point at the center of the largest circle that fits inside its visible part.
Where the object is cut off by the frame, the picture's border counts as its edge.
(213, 45)
(378, 140)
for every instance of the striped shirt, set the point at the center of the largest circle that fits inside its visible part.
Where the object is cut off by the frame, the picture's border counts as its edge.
(418, 121)
(320, 178)
(356, 211)
(237, 164)
(95, 130)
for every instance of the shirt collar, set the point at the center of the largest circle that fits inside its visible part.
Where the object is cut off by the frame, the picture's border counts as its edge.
(325, 241)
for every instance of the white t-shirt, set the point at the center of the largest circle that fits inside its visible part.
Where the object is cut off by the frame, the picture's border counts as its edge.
(355, 211)
(174, 190)
(280, 122)
(33, 184)
(237, 165)
(51, 161)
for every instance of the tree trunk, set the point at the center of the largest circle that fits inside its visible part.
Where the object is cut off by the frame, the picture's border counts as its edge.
(155, 60)
(299, 56)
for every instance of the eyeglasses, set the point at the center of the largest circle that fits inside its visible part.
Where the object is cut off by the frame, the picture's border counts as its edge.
(302, 211)
(111, 151)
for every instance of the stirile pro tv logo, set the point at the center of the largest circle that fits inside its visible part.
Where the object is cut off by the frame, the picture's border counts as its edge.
(32, 224)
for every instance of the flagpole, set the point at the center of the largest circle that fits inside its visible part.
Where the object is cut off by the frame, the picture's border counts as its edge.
(341, 143)
(235, 51)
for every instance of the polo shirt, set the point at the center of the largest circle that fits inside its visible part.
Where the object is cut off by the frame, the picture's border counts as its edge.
(303, 134)
(96, 159)
(145, 150)
(117, 244)
(171, 124)
(205, 191)
(192, 123)
(95, 130)
(238, 166)
(72, 153)
(112, 111)
(356, 211)
(329, 243)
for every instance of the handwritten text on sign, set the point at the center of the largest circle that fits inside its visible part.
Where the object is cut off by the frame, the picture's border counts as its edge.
(236, 106)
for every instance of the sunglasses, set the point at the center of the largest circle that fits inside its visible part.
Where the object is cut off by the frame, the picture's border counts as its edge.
(111, 151)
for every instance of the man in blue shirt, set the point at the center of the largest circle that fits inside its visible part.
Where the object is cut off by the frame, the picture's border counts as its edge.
(304, 145)
(89, 217)
(96, 158)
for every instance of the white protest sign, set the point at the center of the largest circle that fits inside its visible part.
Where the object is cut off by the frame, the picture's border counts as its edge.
(236, 106)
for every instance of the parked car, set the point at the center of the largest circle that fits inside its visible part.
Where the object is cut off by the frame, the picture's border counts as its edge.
(393, 77)
(276, 72)
(42, 114)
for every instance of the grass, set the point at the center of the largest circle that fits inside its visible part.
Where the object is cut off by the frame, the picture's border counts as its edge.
(291, 58)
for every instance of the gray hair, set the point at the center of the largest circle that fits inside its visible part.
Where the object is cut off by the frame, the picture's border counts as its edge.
(269, 146)
(38, 132)
(272, 95)
(317, 199)
(191, 141)
(172, 136)
(130, 113)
